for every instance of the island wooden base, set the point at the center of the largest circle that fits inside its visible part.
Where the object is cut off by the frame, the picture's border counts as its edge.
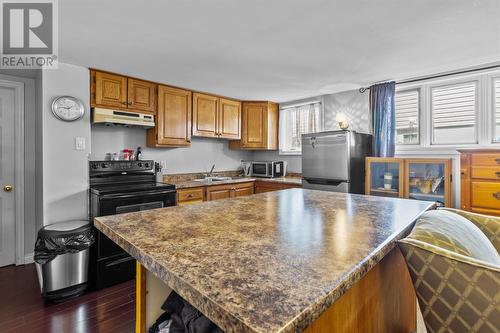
(382, 301)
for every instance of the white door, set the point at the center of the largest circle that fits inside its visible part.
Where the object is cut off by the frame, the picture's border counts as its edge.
(7, 177)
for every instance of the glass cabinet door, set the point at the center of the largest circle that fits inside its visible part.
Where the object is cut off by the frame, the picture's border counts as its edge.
(428, 180)
(384, 177)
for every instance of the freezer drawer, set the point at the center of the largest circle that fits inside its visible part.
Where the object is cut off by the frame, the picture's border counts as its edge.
(325, 185)
(326, 156)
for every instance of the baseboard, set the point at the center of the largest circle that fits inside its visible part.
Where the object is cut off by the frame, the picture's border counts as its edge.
(28, 258)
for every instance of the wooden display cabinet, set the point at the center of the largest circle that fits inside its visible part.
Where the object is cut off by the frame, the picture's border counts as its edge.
(415, 178)
(384, 177)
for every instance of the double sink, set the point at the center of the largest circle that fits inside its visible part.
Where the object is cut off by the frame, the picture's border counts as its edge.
(212, 179)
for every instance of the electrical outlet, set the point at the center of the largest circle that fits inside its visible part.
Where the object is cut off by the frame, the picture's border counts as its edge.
(79, 143)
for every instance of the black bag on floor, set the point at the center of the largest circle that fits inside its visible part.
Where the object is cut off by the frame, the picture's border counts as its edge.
(55, 239)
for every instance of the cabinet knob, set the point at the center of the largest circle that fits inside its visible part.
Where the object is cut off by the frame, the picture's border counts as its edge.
(497, 160)
(7, 188)
(498, 174)
(124, 103)
(497, 195)
(189, 195)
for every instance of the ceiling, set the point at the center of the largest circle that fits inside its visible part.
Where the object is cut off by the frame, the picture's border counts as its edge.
(279, 50)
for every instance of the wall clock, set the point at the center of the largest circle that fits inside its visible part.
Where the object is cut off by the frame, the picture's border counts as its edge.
(67, 108)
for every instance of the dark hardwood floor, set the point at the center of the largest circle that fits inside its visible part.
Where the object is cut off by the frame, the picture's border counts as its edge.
(23, 310)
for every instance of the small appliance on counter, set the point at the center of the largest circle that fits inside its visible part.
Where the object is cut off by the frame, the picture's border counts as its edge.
(268, 169)
(118, 187)
(335, 161)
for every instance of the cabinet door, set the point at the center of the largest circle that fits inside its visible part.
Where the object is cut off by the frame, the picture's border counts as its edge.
(254, 129)
(173, 122)
(218, 193)
(384, 177)
(142, 95)
(229, 119)
(110, 90)
(243, 189)
(429, 180)
(205, 115)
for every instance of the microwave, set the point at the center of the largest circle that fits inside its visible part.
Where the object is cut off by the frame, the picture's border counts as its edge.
(269, 169)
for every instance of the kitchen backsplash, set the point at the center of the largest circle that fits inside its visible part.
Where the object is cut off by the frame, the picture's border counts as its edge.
(200, 157)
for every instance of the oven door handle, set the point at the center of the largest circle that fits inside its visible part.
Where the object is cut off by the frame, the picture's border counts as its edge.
(136, 194)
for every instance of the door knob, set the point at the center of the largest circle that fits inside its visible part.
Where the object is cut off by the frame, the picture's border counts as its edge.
(7, 188)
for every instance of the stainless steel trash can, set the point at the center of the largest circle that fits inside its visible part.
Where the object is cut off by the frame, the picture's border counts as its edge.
(62, 258)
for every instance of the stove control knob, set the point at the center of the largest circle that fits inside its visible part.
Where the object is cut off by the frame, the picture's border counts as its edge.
(104, 165)
(94, 166)
(139, 165)
(146, 165)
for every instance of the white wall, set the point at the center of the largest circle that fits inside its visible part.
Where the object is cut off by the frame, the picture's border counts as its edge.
(198, 158)
(65, 170)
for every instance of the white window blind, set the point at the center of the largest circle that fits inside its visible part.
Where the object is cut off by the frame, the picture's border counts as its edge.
(496, 109)
(453, 109)
(407, 116)
(295, 121)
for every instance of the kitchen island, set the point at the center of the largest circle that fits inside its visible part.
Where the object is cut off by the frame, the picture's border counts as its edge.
(286, 261)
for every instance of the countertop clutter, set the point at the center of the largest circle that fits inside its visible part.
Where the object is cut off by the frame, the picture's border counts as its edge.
(271, 262)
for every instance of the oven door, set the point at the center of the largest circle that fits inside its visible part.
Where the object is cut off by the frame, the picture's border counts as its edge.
(109, 263)
(261, 169)
(112, 204)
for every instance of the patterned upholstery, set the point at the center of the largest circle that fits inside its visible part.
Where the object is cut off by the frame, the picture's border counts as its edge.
(458, 290)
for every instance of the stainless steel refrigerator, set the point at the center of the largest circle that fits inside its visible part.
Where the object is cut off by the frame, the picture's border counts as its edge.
(335, 161)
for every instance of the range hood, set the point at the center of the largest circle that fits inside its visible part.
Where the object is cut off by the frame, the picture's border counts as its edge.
(122, 118)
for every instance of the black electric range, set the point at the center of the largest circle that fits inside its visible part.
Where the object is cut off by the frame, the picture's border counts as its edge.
(118, 187)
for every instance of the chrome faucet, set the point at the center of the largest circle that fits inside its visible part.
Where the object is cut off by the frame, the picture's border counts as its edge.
(211, 171)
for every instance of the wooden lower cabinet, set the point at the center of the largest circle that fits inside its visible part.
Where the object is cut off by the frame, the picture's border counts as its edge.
(412, 178)
(190, 195)
(216, 192)
(186, 196)
(480, 181)
(265, 186)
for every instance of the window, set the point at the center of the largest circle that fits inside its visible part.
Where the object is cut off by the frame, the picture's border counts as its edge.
(295, 121)
(407, 117)
(496, 109)
(453, 112)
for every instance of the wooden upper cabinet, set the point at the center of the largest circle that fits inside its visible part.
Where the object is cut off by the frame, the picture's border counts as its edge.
(205, 115)
(229, 119)
(259, 127)
(173, 121)
(109, 89)
(142, 95)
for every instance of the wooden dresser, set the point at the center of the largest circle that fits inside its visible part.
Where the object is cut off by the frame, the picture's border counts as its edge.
(480, 180)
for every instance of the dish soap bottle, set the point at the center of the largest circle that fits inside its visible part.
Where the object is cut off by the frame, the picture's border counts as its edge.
(138, 155)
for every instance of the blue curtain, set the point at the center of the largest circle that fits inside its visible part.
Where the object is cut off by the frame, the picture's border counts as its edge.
(383, 118)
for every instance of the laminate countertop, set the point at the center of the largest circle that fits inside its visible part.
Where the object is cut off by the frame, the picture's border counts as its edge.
(235, 180)
(270, 262)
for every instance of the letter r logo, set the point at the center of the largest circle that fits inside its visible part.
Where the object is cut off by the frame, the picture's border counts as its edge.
(27, 28)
